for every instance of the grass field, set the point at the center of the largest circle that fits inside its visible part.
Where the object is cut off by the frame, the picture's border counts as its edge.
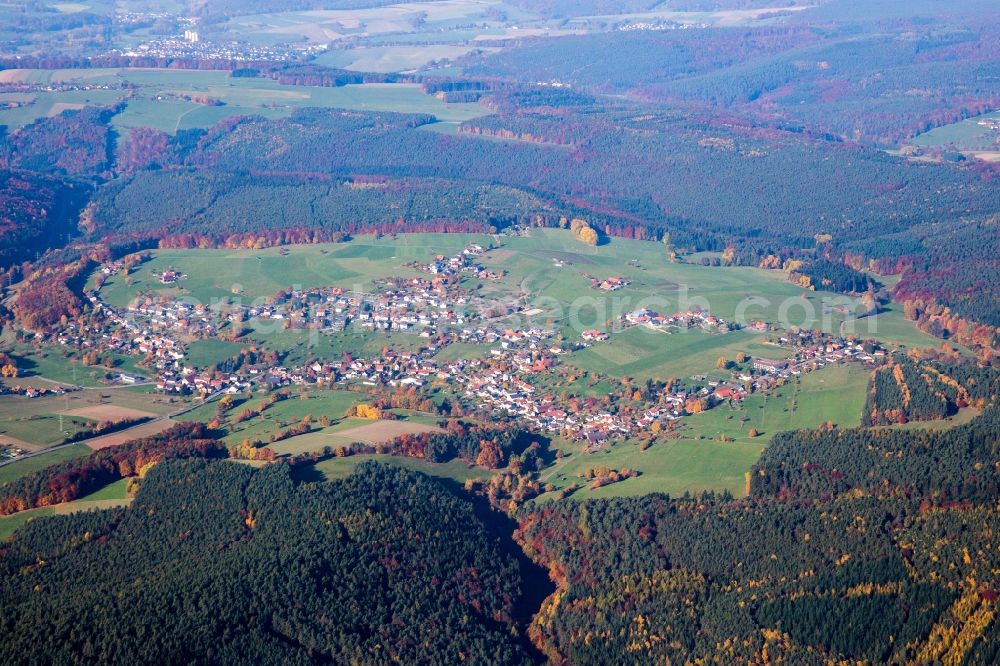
(455, 470)
(330, 25)
(396, 58)
(965, 135)
(116, 490)
(159, 100)
(285, 413)
(112, 495)
(646, 354)
(712, 451)
(350, 431)
(564, 295)
(36, 421)
(698, 460)
(31, 465)
(9, 524)
(51, 363)
(219, 275)
(202, 353)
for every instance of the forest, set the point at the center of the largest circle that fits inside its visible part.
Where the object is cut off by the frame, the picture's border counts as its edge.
(953, 465)
(910, 388)
(661, 579)
(819, 78)
(215, 562)
(874, 194)
(37, 212)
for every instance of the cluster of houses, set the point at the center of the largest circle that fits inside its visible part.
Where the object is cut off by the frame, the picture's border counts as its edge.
(609, 284)
(463, 262)
(29, 391)
(694, 318)
(812, 350)
(188, 44)
(404, 304)
(171, 314)
(589, 420)
(182, 379)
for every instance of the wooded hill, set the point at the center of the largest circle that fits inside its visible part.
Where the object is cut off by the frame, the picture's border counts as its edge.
(218, 563)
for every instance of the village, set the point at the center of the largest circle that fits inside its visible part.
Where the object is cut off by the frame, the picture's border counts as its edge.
(511, 378)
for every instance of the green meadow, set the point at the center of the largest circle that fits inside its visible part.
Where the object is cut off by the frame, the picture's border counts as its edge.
(966, 134)
(112, 495)
(214, 275)
(16, 470)
(454, 470)
(10, 524)
(159, 98)
(713, 450)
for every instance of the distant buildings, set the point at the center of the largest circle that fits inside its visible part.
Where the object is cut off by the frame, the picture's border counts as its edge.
(769, 366)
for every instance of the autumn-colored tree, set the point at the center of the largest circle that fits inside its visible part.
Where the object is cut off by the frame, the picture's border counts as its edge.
(490, 455)
(696, 405)
(588, 236)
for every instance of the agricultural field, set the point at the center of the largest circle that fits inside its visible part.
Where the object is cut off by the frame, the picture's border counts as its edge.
(289, 412)
(454, 470)
(33, 423)
(966, 135)
(350, 431)
(713, 449)
(564, 295)
(216, 275)
(445, 21)
(397, 58)
(50, 365)
(645, 354)
(159, 100)
(312, 405)
(19, 468)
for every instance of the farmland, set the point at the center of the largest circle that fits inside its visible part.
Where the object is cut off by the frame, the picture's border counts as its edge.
(550, 274)
(967, 135)
(443, 20)
(562, 293)
(213, 275)
(157, 98)
(713, 450)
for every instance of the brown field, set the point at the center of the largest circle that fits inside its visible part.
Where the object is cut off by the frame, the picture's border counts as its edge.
(14, 75)
(108, 413)
(383, 431)
(119, 438)
(6, 440)
(59, 107)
